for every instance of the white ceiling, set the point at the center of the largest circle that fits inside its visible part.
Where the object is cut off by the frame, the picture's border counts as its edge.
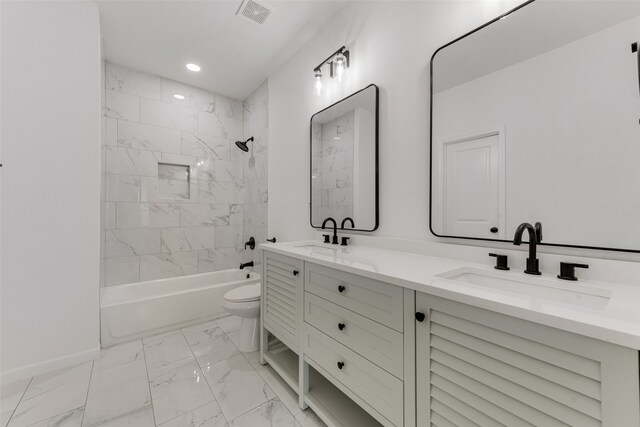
(236, 55)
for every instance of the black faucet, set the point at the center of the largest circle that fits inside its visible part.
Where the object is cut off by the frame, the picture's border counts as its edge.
(345, 220)
(535, 237)
(246, 264)
(335, 229)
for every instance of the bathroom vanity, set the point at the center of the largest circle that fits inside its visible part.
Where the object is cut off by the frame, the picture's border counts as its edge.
(368, 337)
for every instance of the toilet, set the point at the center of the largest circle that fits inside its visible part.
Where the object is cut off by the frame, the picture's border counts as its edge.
(244, 301)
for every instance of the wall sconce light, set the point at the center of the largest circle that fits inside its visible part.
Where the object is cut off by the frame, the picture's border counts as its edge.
(317, 75)
(338, 63)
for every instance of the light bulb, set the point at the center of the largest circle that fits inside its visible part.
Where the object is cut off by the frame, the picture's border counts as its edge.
(318, 85)
(340, 64)
(193, 67)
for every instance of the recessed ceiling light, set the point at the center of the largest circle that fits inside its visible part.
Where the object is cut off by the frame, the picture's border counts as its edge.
(178, 96)
(193, 67)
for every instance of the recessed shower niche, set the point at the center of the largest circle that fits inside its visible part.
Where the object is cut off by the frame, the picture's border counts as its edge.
(174, 181)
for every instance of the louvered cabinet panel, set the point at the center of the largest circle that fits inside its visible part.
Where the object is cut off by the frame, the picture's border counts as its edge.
(480, 368)
(281, 297)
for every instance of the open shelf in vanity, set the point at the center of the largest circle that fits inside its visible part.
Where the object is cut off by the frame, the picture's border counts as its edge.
(330, 403)
(284, 361)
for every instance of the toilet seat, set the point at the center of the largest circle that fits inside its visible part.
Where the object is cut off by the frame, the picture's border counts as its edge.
(244, 293)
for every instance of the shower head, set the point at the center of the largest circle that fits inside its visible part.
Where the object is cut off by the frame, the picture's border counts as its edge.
(243, 144)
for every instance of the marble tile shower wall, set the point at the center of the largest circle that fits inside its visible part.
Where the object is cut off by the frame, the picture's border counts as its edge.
(255, 167)
(174, 182)
(335, 141)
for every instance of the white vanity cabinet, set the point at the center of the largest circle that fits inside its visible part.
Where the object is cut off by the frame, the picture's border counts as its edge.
(478, 367)
(359, 352)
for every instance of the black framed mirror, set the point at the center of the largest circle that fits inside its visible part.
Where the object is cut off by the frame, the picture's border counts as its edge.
(344, 161)
(534, 118)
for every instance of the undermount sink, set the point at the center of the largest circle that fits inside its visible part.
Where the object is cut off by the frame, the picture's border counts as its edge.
(573, 293)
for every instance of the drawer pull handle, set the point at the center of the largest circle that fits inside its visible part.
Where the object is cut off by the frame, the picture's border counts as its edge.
(420, 317)
(341, 326)
(340, 365)
(295, 272)
(341, 288)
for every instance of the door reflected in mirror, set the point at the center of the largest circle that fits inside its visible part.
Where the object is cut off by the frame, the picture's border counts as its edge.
(344, 162)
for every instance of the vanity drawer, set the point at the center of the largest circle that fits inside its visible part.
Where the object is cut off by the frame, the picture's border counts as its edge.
(376, 300)
(378, 343)
(375, 386)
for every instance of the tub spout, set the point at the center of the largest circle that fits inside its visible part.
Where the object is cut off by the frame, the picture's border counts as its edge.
(246, 264)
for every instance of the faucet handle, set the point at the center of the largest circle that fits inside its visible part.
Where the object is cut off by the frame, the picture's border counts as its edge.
(502, 262)
(251, 243)
(568, 270)
(326, 238)
(344, 241)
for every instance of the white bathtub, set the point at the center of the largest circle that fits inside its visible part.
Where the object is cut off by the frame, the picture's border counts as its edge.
(142, 309)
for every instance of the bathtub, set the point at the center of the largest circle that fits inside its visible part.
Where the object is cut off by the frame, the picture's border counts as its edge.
(138, 310)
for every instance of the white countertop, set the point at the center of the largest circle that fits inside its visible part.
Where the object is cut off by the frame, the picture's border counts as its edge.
(618, 322)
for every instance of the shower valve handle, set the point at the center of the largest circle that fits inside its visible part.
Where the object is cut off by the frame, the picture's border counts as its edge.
(251, 243)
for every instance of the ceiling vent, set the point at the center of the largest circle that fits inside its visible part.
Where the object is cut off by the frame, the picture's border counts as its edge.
(253, 11)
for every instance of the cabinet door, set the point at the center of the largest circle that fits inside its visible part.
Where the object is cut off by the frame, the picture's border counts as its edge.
(282, 297)
(477, 367)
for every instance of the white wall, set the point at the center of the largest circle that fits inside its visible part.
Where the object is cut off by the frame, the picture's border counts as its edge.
(391, 44)
(50, 113)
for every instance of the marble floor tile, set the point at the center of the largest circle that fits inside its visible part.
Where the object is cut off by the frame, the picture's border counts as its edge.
(253, 358)
(234, 336)
(141, 418)
(199, 327)
(211, 346)
(72, 418)
(308, 418)
(208, 415)
(237, 386)
(285, 393)
(52, 394)
(119, 355)
(117, 391)
(271, 414)
(165, 349)
(177, 389)
(229, 323)
(10, 395)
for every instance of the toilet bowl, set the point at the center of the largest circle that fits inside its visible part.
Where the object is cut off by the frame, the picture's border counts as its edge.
(245, 302)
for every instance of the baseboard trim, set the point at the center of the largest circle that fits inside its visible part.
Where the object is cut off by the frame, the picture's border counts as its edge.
(49, 365)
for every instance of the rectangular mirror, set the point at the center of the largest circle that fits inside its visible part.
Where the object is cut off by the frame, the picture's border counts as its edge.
(535, 117)
(344, 161)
